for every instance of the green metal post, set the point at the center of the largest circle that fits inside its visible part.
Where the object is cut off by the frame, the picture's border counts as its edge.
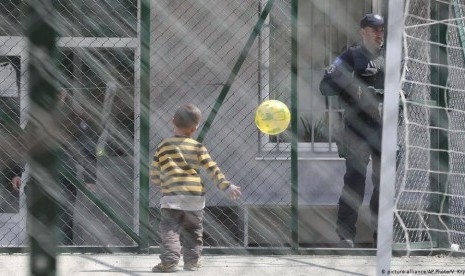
(439, 124)
(294, 128)
(232, 76)
(43, 154)
(144, 124)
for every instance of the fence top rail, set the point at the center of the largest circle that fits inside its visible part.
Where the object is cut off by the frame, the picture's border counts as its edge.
(17, 44)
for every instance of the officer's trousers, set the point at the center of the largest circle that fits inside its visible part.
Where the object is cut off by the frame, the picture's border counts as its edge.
(360, 148)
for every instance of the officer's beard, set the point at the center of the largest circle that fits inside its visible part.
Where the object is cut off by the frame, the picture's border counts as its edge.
(381, 46)
(374, 47)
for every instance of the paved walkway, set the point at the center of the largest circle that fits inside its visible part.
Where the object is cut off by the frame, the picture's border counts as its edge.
(225, 265)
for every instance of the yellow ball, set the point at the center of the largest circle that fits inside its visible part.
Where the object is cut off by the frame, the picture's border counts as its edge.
(272, 117)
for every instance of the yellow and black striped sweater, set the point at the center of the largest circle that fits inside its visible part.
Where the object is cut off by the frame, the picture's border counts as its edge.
(176, 169)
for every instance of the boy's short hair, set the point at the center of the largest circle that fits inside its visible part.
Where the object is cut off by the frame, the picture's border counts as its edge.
(187, 116)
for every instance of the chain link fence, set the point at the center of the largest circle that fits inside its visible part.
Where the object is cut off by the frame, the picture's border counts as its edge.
(429, 192)
(96, 77)
(199, 54)
(194, 46)
(414, 136)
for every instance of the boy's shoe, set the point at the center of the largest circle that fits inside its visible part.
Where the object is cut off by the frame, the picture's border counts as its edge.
(165, 267)
(192, 266)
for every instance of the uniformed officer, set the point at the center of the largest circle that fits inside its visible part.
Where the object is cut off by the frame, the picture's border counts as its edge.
(357, 77)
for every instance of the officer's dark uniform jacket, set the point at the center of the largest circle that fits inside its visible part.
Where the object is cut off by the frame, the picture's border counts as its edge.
(357, 76)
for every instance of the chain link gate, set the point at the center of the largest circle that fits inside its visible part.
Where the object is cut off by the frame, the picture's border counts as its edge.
(195, 46)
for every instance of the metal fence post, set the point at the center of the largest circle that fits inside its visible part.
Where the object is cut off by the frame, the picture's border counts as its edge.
(43, 214)
(144, 123)
(294, 127)
(237, 66)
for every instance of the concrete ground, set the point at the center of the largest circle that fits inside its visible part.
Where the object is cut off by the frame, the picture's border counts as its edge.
(224, 265)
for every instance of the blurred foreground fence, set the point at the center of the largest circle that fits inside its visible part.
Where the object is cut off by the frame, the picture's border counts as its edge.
(97, 64)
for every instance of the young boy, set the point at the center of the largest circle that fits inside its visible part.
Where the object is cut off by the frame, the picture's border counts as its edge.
(175, 168)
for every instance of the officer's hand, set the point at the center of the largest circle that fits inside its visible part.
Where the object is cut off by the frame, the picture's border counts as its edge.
(16, 183)
(374, 91)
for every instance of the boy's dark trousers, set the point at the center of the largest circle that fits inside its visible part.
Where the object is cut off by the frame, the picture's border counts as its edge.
(177, 223)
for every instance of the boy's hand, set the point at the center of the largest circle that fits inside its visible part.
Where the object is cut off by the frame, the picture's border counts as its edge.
(234, 192)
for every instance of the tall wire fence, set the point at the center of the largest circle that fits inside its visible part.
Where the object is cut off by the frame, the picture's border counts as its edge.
(194, 46)
(199, 53)
(96, 78)
(429, 197)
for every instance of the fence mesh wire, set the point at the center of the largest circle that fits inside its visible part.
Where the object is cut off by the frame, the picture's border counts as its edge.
(96, 76)
(456, 101)
(194, 46)
(423, 210)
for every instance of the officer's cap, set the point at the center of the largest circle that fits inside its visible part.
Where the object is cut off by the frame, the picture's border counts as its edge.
(371, 20)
